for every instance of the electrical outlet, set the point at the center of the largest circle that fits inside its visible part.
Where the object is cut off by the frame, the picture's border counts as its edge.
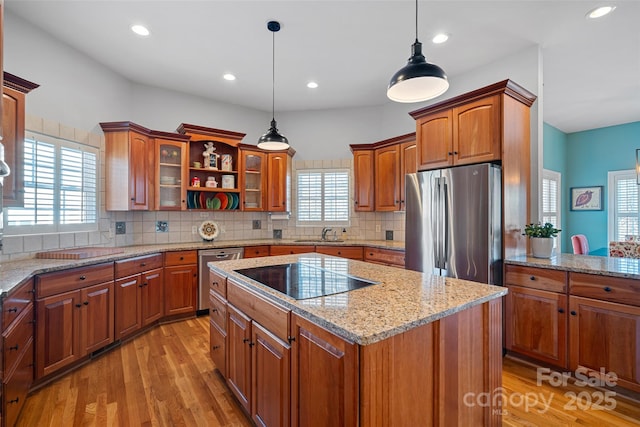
(121, 227)
(162, 226)
(388, 234)
(257, 224)
(378, 228)
(277, 234)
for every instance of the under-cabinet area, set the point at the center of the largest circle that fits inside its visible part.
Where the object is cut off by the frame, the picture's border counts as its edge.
(576, 316)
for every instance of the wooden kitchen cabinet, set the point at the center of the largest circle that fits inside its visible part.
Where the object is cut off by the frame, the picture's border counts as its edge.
(387, 178)
(180, 282)
(130, 167)
(363, 167)
(290, 249)
(278, 181)
(138, 293)
(253, 164)
(384, 256)
(408, 164)
(171, 177)
(14, 91)
(351, 252)
(239, 355)
(256, 251)
(75, 312)
(324, 377)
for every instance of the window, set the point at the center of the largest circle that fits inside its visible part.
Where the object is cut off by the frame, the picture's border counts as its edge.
(623, 204)
(551, 203)
(323, 197)
(60, 183)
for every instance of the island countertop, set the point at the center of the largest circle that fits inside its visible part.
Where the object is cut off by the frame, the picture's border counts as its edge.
(602, 265)
(402, 300)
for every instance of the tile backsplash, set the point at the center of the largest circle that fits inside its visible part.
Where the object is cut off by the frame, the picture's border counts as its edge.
(182, 226)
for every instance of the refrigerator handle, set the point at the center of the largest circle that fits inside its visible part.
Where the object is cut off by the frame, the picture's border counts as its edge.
(439, 202)
(445, 224)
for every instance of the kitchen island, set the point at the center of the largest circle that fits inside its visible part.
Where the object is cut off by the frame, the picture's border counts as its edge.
(412, 349)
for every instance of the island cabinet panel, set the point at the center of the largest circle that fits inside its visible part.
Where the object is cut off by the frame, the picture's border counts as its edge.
(17, 386)
(270, 382)
(324, 377)
(396, 377)
(218, 348)
(239, 360)
(384, 256)
(605, 335)
(536, 324)
(218, 284)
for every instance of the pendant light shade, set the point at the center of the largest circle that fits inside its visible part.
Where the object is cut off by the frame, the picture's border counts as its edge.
(419, 80)
(273, 140)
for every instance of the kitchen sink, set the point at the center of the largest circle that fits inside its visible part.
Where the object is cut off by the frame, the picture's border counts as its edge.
(318, 241)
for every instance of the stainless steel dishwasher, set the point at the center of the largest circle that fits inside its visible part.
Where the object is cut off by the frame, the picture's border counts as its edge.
(211, 255)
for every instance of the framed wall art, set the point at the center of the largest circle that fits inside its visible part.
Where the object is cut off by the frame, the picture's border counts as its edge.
(587, 198)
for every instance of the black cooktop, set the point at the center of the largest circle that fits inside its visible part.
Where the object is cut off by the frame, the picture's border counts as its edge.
(301, 281)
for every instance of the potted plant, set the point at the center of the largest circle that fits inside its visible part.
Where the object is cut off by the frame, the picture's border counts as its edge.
(541, 238)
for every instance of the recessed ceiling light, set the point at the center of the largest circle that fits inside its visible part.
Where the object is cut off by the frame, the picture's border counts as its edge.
(440, 38)
(312, 85)
(140, 30)
(229, 77)
(599, 12)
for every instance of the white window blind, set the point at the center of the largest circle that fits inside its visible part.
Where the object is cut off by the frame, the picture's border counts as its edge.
(551, 203)
(60, 188)
(624, 217)
(323, 197)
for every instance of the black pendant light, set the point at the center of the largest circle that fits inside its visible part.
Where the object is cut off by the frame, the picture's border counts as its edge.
(273, 140)
(419, 80)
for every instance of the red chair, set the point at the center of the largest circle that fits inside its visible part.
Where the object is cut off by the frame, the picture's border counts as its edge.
(580, 244)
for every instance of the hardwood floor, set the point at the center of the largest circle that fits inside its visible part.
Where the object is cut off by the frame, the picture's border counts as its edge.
(165, 377)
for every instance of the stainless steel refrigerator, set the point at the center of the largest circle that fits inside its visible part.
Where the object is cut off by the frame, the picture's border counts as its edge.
(453, 222)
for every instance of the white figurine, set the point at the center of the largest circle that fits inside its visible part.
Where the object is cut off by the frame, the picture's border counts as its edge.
(210, 158)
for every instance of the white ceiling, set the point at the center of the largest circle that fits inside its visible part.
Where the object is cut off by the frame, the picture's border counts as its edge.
(351, 48)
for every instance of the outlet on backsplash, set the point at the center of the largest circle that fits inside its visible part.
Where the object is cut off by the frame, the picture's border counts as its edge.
(388, 234)
(162, 226)
(121, 227)
(257, 224)
(277, 234)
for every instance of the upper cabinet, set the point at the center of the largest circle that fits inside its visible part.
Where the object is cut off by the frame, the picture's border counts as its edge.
(379, 171)
(253, 164)
(12, 131)
(279, 181)
(130, 159)
(265, 179)
(171, 171)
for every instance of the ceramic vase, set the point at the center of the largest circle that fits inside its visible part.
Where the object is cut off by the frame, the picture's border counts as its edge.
(541, 247)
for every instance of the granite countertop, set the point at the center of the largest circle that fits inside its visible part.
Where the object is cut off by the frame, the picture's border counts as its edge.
(12, 273)
(403, 299)
(602, 265)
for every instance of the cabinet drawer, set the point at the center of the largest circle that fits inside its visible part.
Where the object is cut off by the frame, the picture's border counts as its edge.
(537, 278)
(385, 256)
(137, 265)
(607, 288)
(256, 251)
(180, 258)
(273, 317)
(16, 302)
(218, 348)
(16, 387)
(351, 252)
(290, 250)
(75, 278)
(16, 338)
(217, 311)
(218, 284)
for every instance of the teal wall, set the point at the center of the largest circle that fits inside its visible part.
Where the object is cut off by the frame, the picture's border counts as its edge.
(555, 159)
(586, 160)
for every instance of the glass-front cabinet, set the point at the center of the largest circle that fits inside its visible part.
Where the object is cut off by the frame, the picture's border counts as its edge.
(254, 167)
(171, 174)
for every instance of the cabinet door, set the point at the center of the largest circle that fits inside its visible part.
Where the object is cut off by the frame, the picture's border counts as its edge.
(152, 296)
(363, 177)
(127, 306)
(13, 135)
(536, 324)
(218, 347)
(239, 355)
(605, 335)
(170, 175)
(408, 164)
(387, 178)
(278, 182)
(270, 370)
(434, 135)
(477, 131)
(57, 333)
(254, 166)
(180, 289)
(141, 161)
(324, 377)
(97, 317)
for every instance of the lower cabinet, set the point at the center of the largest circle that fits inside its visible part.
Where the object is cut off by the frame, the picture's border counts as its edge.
(384, 256)
(605, 336)
(16, 387)
(256, 251)
(290, 249)
(351, 252)
(180, 282)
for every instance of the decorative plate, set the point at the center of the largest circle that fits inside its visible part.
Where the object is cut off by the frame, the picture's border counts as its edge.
(208, 230)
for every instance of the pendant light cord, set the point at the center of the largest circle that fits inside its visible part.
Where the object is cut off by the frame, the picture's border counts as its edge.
(273, 75)
(416, 20)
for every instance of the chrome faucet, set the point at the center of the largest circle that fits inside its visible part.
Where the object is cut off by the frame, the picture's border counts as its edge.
(325, 230)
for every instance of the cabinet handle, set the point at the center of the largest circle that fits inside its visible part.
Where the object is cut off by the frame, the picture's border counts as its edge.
(532, 278)
(86, 303)
(455, 152)
(214, 283)
(573, 313)
(140, 285)
(339, 253)
(15, 347)
(31, 291)
(246, 340)
(145, 284)
(13, 309)
(78, 305)
(356, 202)
(291, 339)
(16, 400)
(82, 277)
(214, 310)
(607, 289)
(450, 153)
(143, 264)
(251, 344)
(561, 310)
(215, 347)
(181, 258)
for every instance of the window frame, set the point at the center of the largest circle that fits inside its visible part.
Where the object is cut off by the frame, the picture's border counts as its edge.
(323, 222)
(612, 211)
(57, 227)
(553, 176)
